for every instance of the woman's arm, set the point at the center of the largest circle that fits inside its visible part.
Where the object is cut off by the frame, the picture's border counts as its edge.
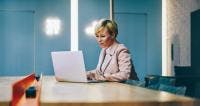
(125, 65)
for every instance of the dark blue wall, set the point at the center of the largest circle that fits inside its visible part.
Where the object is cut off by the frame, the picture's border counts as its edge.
(44, 44)
(17, 30)
(153, 11)
(89, 10)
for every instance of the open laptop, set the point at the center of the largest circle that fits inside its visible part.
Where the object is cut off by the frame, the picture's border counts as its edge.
(69, 66)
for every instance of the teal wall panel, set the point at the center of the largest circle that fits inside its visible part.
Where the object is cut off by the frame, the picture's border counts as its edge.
(17, 42)
(43, 44)
(153, 42)
(133, 33)
(89, 11)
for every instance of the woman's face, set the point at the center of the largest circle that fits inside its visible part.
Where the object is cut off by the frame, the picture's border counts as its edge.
(104, 39)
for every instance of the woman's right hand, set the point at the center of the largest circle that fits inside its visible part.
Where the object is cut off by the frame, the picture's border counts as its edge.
(90, 76)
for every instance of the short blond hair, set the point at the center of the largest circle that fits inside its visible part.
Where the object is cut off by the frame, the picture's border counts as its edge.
(111, 26)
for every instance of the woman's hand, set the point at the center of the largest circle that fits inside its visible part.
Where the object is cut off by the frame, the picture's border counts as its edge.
(91, 76)
(100, 78)
(108, 77)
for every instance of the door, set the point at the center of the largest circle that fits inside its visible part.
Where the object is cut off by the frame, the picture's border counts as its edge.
(195, 51)
(17, 42)
(132, 29)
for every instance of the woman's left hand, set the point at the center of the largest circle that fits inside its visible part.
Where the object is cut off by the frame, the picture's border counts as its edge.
(108, 77)
(100, 78)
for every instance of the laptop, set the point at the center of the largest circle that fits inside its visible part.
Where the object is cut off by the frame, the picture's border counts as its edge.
(69, 66)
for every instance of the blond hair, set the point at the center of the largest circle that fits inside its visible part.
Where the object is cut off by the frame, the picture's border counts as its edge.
(111, 26)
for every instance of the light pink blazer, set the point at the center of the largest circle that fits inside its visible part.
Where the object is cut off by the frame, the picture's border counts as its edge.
(117, 63)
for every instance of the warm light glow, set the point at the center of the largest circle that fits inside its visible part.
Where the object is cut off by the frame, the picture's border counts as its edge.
(90, 30)
(74, 25)
(52, 26)
(164, 39)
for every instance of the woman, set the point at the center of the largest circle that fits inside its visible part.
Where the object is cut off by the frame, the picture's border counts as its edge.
(114, 61)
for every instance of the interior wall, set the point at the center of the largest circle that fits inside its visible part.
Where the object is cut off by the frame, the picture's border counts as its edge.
(153, 42)
(89, 10)
(179, 31)
(43, 44)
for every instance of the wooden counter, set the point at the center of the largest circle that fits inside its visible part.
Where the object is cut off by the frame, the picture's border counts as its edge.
(6, 89)
(99, 94)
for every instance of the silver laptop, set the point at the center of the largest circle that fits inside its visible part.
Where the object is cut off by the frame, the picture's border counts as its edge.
(69, 66)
